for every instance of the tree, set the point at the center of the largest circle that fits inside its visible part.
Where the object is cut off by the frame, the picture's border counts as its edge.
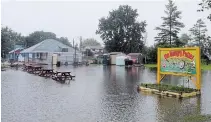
(184, 38)
(121, 32)
(170, 27)
(200, 38)
(151, 53)
(90, 42)
(207, 48)
(9, 39)
(206, 5)
(199, 32)
(38, 36)
(65, 41)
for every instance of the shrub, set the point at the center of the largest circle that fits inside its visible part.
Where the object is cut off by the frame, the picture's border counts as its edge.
(165, 87)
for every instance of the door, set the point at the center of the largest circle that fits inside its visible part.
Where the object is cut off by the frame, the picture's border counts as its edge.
(54, 59)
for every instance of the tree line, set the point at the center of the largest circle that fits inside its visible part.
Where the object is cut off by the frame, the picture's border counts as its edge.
(10, 38)
(122, 32)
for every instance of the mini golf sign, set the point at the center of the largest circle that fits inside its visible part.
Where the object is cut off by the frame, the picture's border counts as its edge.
(179, 61)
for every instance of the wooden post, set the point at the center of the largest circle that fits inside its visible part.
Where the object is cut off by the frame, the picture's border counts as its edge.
(198, 69)
(158, 66)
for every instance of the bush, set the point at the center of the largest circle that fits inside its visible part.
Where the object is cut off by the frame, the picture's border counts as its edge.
(165, 87)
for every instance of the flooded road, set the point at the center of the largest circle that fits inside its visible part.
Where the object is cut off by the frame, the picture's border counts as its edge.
(98, 93)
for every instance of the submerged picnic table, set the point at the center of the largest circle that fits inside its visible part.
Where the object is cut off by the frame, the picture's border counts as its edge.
(36, 69)
(46, 72)
(32, 68)
(62, 76)
(27, 67)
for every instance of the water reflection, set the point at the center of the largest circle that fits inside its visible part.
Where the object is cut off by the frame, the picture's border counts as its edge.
(99, 93)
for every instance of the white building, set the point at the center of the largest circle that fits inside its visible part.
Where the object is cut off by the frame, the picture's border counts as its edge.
(51, 51)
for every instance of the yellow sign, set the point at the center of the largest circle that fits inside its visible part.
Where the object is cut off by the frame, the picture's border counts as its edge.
(179, 61)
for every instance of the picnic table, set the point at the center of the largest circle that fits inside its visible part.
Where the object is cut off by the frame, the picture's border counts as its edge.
(46, 72)
(62, 76)
(28, 68)
(32, 68)
(36, 69)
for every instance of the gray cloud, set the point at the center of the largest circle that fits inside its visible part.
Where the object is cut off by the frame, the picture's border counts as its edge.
(73, 19)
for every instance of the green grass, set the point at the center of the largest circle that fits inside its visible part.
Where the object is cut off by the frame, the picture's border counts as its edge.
(165, 87)
(206, 67)
(197, 118)
(203, 66)
(150, 65)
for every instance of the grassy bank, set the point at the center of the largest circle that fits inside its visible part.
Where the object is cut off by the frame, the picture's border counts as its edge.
(197, 118)
(206, 67)
(150, 65)
(165, 87)
(203, 66)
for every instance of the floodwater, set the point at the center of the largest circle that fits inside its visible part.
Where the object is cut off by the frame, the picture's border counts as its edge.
(98, 94)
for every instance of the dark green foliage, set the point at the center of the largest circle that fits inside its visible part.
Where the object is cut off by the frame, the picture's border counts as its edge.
(206, 5)
(171, 26)
(151, 54)
(9, 39)
(199, 32)
(38, 36)
(121, 32)
(65, 41)
(184, 38)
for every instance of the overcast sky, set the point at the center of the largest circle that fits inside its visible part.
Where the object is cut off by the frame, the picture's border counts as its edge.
(73, 19)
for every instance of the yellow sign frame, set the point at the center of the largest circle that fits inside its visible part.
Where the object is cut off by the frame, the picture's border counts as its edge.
(197, 81)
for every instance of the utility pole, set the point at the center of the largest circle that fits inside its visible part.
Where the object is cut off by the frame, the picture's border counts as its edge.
(75, 52)
(73, 55)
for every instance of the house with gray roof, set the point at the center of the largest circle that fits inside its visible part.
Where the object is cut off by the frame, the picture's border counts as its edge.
(51, 51)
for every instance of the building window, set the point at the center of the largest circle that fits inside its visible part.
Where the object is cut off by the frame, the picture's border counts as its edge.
(64, 49)
(38, 55)
(43, 56)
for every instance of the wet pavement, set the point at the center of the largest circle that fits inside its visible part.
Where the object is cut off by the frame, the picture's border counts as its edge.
(98, 93)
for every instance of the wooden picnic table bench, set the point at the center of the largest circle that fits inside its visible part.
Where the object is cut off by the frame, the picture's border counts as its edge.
(36, 69)
(33, 68)
(25, 67)
(29, 68)
(46, 72)
(62, 76)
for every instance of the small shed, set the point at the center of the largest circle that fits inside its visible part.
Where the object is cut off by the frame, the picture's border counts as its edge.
(136, 57)
(113, 56)
(14, 54)
(120, 60)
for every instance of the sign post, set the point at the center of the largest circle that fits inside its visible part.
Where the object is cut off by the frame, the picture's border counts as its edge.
(180, 62)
